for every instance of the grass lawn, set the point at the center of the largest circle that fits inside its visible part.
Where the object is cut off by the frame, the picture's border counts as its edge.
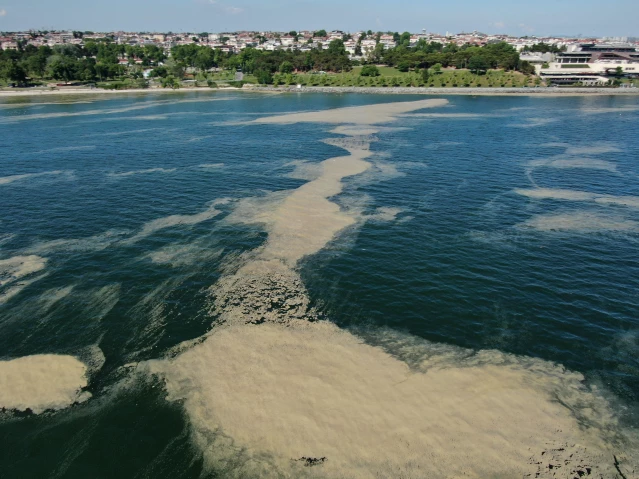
(391, 77)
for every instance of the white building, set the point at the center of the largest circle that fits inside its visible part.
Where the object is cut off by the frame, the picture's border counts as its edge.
(287, 41)
(592, 63)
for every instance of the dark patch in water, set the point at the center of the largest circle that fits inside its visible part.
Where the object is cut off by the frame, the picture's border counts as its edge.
(311, 461)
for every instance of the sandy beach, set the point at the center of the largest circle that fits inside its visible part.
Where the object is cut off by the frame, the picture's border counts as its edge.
(542, 91)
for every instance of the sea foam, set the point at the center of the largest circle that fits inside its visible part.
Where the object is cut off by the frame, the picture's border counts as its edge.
(42, 382)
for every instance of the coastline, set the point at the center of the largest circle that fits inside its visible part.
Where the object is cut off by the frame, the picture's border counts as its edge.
(544, 91)
(474, 91)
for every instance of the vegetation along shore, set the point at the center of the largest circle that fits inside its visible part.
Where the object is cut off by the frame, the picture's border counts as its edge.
(102, 64)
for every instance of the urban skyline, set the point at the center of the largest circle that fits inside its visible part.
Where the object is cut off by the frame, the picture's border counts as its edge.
(545, 18)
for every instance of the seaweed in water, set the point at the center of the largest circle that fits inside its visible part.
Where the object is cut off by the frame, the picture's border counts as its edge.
(311, 461)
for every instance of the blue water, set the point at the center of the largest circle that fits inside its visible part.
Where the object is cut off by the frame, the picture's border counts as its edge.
(463, 263)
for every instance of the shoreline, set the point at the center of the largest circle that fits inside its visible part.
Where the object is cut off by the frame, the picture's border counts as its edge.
(542, 91)
(474, 91)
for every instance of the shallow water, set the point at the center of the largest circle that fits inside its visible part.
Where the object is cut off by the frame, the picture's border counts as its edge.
(132, 207)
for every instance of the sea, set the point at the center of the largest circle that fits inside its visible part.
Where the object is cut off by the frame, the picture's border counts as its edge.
(501, 223)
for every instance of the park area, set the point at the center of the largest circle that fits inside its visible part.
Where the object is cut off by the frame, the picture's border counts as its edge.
(388, 77)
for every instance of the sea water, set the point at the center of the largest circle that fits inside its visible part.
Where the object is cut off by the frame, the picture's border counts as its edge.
(489, 223)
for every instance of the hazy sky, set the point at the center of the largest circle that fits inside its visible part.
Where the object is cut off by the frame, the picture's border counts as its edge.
(570, 17)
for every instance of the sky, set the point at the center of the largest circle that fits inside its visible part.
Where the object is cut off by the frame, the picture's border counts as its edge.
(542, 17)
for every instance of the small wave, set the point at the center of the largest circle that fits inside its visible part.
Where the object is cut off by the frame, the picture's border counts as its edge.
(177, 220)
(12, 269)
(93, 243)
(5, 180)
(534, 122)
(600, 111)
(12, 272)
(581, 221)
(180, 255)
(211, 166)
(142, 172)
(66, 148)
(575, 195)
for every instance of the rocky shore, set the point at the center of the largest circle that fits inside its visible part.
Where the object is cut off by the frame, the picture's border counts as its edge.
(541, 91)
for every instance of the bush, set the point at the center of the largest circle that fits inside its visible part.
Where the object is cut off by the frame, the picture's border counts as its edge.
(113, 86)
(403, 67)
(141, 83)
(264, 77)
(369, 71)
(170, 82)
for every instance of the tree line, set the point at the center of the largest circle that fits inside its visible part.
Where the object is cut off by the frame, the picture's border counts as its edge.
(94, 61)
(105, 60)
(425, 55)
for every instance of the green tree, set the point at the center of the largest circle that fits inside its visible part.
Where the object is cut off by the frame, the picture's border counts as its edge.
(73, 51)
(154, 54)
(264, 77)
(62, 67)
(175, 68)
(286, 67)
(478, 64)
(204, 59)
(369, 71)
(102, 71)
(404, 39)
(320, 33)
(526, 68)
(403, 66)
(13, 72)
(336, 47)
(543, 48)
(159, 72)
(377, 54)
(91, 49)
(36, 65)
